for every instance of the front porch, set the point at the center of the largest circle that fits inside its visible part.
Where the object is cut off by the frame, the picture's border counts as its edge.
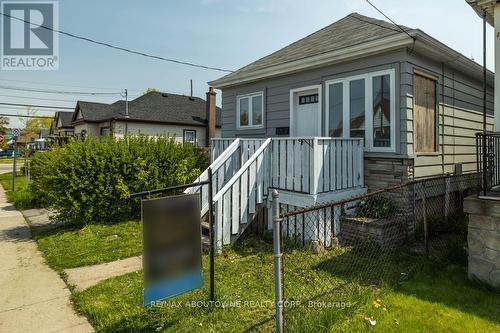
(306, 171)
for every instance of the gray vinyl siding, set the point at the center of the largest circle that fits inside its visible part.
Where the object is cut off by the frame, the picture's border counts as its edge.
(462, 107)
(456, 130)
(277, 93)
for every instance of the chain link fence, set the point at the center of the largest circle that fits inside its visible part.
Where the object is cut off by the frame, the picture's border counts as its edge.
(339, 255)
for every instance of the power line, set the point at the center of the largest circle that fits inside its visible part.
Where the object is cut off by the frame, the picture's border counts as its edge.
(40, 98)
(119, 47)
(387, 17)
(58, 91)
(23, 116)
(64, 85)
(38, 106)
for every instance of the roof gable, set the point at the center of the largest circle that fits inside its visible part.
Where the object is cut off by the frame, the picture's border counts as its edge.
(351, 30)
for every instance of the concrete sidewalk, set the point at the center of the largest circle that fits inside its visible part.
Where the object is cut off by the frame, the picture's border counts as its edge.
(33, 298)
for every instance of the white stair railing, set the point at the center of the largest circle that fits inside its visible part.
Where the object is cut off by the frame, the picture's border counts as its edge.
(237, 201)
(223, 168)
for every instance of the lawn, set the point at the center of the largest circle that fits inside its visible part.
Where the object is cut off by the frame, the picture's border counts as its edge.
(10, 160)
(6, 181)
(22, 197)
(68, 247)
(427, 297)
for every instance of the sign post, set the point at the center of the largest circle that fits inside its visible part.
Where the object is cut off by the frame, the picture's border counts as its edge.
(172, 247)
(15, 134)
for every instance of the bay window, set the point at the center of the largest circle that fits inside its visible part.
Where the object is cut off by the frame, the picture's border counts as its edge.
(363, 106)
(250, 110)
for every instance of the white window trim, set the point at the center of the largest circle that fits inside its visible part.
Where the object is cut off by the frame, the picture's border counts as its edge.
(250, 112)
(294, 101)
(184, 132)
(368, 77)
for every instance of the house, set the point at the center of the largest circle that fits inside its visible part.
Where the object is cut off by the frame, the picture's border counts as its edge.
(183, 117)
(61, 126)
(359, 105)
(416, 102)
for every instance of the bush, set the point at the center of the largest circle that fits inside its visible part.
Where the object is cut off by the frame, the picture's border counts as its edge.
(377, 207)
(89, 181)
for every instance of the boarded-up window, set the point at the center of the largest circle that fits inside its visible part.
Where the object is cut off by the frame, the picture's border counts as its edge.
(425, 114)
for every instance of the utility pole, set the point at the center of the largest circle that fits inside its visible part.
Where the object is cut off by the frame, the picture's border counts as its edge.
(126, 113)
(191, 94)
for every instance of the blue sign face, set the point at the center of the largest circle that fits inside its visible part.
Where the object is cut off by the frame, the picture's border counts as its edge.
(172, 247)
(172, 287)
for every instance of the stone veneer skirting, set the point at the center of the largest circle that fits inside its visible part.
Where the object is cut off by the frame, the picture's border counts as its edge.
(484, 239)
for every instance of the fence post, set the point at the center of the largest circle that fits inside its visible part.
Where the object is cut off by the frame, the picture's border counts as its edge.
(212, 235)
(277, 262)
(424, 212)
(447, 196)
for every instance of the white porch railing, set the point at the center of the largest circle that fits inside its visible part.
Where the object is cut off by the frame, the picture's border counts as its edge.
(230, 155)
(245, 170)
(309, 165)
(237, 201)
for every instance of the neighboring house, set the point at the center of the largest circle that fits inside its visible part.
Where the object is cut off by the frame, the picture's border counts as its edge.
(416, 102)
(490, 11)
(153, 114)
(61, 126)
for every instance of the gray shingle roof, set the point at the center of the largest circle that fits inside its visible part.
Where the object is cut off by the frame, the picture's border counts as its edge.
(151, 107)
(65, 118)
(349, 31)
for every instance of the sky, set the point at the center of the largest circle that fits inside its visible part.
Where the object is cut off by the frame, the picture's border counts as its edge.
(220, 33)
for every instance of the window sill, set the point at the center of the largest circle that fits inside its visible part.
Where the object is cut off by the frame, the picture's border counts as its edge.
(427, 154)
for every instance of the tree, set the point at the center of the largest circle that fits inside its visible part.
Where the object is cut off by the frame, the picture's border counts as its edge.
(33, 126)
(4, 122)
(150, 89)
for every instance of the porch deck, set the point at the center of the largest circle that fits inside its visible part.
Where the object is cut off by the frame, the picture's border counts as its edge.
(306, 171)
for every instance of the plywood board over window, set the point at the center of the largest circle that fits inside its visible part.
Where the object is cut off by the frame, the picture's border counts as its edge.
(425, 114)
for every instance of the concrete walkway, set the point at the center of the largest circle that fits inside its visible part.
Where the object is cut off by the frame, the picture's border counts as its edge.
(87, 276)
(33, 298)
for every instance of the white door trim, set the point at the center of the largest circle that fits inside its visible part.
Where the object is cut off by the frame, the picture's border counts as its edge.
(293, 105)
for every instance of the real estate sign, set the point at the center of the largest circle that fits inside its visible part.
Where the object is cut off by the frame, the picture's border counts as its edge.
(172, 247)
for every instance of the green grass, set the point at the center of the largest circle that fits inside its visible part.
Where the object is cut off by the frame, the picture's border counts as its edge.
(22, 197)
(10, 160)
(433, 300)
(426, 298)
(93, 244)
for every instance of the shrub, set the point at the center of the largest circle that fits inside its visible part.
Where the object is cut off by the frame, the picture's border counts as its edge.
(377, 207)
(89, 181)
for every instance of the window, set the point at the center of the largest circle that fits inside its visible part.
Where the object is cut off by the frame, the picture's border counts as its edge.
(105, 131)
(250, 110)
(363, 106)
(381, 111)
(189, 136)
(335, 110)
(425, 114)
(357, 108)
(308, 99)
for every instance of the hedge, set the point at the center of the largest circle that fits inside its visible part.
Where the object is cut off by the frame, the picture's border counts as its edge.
(89, 181)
